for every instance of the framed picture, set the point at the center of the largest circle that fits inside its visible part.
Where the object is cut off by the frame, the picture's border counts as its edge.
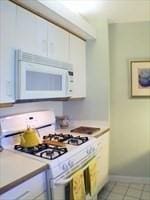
(140, 78)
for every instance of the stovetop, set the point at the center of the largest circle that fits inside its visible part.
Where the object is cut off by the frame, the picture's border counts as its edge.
(62, 159)
(53, 151)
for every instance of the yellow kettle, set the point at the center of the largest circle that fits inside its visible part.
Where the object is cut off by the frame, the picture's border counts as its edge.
(29, 138)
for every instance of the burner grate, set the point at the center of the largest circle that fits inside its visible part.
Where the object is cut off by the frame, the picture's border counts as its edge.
(53, 153)
(58, 137)
(77, 140)
(31, 150)
(66, 138)
(43, 150)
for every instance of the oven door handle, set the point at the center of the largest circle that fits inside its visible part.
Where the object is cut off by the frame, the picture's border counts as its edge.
(67, 180)
(63, 181)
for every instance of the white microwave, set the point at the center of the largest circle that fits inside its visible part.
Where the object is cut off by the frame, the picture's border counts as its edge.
(42, 78)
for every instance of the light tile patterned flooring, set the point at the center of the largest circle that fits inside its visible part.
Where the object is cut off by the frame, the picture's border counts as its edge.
(125, 191)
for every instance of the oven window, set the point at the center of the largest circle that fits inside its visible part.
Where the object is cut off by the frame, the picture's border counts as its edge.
(43, 81)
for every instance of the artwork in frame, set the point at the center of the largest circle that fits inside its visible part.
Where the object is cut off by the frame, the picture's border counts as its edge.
(140, 78)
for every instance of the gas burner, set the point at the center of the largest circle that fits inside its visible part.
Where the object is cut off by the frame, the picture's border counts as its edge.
(53, 153)
(31, 150)
(58, 137)
(43, 150)
(77, 140)
(66, 138)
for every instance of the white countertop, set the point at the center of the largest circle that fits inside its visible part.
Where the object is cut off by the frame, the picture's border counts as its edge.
(103, 125)
(15, 169)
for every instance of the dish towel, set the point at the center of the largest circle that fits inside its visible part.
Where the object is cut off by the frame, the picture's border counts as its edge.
(78, 187)
(92, 176)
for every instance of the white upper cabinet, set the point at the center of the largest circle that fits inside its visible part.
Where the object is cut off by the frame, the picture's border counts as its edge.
(58, 43)
(77, 57)
(7, 50)
(21, 29)
(31, 32)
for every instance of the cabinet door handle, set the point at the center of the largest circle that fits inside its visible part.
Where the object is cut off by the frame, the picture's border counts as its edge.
(22, 195)
(51, 46)
(44, 44)
(9, 88)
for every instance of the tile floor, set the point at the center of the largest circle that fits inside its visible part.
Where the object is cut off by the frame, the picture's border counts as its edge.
(125, 191)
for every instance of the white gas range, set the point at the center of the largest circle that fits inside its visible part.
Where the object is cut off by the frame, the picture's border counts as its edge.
(63, 161)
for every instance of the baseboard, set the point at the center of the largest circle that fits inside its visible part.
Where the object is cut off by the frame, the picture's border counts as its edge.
(130, 179)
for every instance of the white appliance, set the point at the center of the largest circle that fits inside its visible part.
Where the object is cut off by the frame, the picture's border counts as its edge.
(42, 78)
(63, 161)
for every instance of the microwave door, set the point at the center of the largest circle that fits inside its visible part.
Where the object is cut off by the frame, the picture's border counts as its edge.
(40, 81)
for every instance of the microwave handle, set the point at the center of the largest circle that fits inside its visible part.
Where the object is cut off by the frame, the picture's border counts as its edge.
(67, 83)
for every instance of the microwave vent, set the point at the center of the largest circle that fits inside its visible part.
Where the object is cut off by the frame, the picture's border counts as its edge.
(27, 57)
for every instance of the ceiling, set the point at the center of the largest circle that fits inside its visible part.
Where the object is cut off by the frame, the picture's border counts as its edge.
(116, 11)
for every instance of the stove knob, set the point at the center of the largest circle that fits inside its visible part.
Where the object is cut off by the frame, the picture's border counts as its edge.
(93, 149)
(71, 163)
(88, 151)
(65, 167)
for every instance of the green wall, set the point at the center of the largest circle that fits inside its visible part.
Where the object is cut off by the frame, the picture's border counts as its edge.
(130, 117)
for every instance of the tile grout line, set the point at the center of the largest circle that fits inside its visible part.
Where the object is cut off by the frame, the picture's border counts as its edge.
(111, 190)
(126, 192)
(116, 193)
(142, 191)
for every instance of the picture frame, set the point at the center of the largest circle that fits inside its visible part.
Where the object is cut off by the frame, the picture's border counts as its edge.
(140, 78)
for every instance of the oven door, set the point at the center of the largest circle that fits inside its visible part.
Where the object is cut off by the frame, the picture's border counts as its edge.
(36, 81)
(61, 187)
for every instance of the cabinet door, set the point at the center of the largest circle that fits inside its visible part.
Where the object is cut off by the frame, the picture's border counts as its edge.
(7, 50)
(30, 189)
(78, 59)
(58, 43)
(103, 160)
(31, 32)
